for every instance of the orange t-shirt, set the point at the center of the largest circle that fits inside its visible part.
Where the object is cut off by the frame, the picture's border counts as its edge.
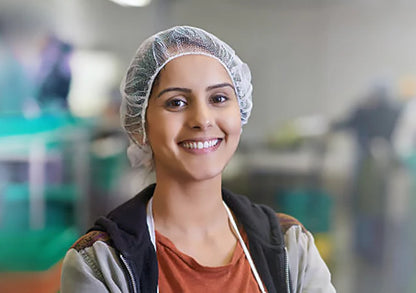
(179, 272)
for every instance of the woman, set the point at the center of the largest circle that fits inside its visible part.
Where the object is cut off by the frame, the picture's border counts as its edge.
(186, 96)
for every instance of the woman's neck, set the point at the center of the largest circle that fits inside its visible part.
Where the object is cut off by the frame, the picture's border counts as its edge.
(194, 218)
(187, 205)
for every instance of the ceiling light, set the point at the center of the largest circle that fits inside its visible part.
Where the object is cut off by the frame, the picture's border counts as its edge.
(136, 3)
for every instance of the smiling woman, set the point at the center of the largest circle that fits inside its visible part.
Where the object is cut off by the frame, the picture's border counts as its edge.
(186, 96)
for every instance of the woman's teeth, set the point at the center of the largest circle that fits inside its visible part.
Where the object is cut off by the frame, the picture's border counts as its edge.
(200, 144)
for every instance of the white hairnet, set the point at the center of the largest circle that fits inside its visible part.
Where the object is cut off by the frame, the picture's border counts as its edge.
(152, 55)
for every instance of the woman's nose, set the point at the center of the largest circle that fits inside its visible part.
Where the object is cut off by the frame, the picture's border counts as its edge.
(200, 116)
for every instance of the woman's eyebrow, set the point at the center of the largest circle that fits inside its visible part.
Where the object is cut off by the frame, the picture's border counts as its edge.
(220, 85)
(174, 89)
(186, 90)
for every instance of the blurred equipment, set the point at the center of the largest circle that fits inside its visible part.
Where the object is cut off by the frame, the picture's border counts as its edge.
(15, 86)
(43, 203)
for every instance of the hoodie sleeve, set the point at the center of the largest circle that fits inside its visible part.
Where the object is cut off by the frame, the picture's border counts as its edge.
(92, 266)
(308, 271)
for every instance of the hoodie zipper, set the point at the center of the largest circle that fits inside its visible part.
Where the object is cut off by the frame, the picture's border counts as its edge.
(133, 281)
(287, 271)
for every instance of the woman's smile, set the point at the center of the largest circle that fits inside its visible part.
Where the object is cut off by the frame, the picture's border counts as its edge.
(201, 146)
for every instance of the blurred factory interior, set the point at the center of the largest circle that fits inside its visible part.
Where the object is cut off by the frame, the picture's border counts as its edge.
(331, 138)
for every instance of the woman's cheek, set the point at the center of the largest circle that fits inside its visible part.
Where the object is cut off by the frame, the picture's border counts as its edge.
(234, 125)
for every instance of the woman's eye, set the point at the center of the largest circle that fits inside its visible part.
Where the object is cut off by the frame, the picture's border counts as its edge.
(219, 99)
(175, 103)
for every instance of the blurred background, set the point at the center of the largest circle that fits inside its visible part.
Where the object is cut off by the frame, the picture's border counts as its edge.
(331, 139)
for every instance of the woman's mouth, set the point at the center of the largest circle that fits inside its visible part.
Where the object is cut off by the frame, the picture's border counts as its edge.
(201, 145)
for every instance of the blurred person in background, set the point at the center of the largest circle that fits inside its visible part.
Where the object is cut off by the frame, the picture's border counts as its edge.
(54, 77)
(372, 123)
(186, 96)
(35, 74)
(374, 117)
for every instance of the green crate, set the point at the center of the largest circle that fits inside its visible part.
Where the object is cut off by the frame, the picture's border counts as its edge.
(311, 207)
(59, 207)
(34, 250)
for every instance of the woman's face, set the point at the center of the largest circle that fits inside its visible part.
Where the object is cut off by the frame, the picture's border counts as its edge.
(193, 119)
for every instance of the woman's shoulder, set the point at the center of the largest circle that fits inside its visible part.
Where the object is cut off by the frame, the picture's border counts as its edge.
(307, 269)
(297, 237)
(93, 265)
(90, 238)
(286, 222)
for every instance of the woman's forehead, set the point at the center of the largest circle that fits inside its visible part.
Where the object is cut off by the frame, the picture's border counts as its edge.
(198, 67)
